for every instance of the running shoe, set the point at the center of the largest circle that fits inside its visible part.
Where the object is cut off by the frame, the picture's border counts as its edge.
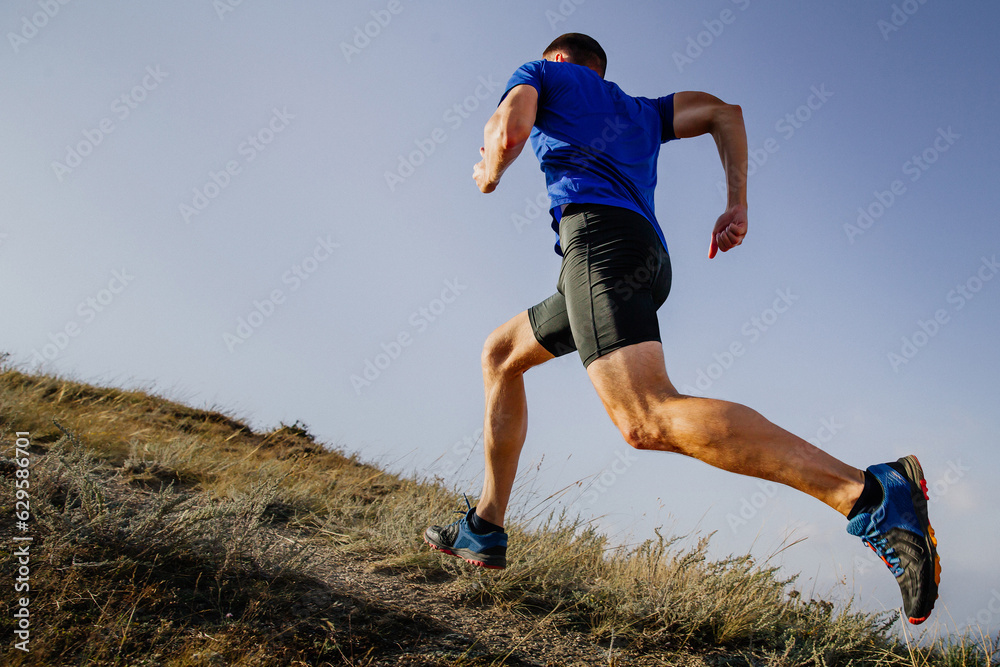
(899, 532)
(457, 539)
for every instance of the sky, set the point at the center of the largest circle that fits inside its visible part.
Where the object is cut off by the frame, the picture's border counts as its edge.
(268, 209)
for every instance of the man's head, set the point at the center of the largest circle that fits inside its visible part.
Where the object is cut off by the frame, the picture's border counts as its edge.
(579, 49)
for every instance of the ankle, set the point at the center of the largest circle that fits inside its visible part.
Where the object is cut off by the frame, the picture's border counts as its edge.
(871, 496)
(482, 526)
(488, 512)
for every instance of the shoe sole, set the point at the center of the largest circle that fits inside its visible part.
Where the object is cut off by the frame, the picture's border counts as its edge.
(918, 494)
(471, 557)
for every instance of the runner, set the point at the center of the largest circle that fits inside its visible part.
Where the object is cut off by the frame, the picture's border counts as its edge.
(598, 148)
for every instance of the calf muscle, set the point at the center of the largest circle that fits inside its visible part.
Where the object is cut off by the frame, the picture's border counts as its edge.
(633, 385)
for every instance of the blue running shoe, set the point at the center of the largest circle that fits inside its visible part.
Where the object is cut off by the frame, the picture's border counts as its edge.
(457, 539)
(899, 532)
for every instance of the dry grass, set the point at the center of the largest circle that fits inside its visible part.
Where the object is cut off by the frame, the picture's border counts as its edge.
(168, 535)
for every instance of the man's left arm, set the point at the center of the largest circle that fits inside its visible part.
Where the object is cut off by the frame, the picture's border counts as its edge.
(697, 113)
(505, 134)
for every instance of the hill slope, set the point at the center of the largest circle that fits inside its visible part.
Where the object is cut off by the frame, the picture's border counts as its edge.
(167, 535)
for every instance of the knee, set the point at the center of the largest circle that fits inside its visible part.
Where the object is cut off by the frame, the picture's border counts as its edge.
(497, 354)
(673, 428)
(664, 425)
(649, 434)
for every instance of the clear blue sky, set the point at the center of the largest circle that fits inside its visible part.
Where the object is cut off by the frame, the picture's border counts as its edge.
(195, 197)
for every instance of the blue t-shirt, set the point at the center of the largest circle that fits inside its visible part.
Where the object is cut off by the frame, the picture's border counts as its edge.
(595, 144)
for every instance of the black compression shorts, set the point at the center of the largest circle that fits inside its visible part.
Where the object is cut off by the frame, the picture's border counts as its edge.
(615, 274)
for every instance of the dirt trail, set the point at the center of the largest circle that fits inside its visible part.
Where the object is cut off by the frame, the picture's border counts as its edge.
(424, 622)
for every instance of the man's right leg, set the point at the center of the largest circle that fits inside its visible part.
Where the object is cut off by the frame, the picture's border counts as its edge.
(508, 353)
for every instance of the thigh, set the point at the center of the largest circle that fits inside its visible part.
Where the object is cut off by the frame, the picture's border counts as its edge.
(513, 346)
(615, 275)
(630, 380)
(550, 325)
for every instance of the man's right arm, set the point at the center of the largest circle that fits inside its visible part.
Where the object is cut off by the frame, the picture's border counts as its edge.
(505, 134)
(697, 113)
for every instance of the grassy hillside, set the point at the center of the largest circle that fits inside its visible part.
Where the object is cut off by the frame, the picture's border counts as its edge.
(168, 535)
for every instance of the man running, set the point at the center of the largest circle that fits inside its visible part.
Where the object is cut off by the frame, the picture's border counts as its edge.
(598, 148)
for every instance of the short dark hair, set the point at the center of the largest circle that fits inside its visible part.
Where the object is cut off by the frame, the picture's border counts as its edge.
(580, 49)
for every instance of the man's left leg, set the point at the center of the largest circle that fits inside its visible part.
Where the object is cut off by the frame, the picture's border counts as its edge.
(615, 277)
(633, 384)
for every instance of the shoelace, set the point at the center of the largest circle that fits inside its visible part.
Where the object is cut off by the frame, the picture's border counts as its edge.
(468, 506)
(880, 545)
